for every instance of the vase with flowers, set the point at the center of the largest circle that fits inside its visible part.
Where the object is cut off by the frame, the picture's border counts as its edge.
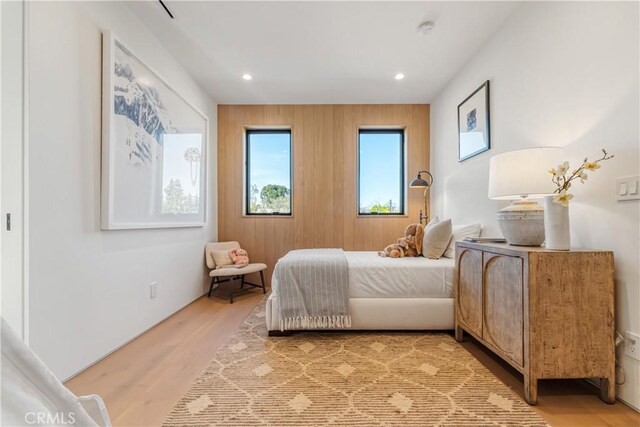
(556, 207)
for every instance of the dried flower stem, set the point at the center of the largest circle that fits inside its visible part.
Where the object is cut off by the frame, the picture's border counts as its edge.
(563, 183)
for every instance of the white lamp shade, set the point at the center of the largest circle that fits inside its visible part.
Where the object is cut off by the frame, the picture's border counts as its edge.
(523, 173)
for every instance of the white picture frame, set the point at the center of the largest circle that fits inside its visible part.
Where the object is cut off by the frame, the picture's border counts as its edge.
(154, 147)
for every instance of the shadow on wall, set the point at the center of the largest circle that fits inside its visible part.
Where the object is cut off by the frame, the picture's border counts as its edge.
(472, 185)
(595, 201)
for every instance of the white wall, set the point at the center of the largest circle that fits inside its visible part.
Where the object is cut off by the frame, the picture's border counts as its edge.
(12, 110)
(562, 74)
(89, 288)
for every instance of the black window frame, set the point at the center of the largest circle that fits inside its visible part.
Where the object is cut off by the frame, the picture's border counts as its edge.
(247, 167)
(400, 132)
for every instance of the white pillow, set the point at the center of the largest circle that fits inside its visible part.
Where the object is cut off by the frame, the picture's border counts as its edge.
(436, 238)
(460, 232)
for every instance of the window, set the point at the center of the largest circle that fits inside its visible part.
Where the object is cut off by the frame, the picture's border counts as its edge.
(381, 172)
(268, 172)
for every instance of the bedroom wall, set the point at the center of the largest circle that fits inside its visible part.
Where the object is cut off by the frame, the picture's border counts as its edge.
(563, 74)
(12, 142)
(89, 289)
(324, 141)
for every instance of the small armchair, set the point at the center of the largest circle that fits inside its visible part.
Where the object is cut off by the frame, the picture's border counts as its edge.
(222, 275)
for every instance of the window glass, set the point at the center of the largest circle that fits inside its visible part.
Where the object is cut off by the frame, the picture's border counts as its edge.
(381, 172)
(268, 172)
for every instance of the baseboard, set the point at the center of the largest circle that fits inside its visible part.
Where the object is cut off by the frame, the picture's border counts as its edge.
(624, 402)
(618, 398)
(132, 339)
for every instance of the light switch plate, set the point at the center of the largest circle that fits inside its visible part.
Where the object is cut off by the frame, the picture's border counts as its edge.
(627, 188)
(622, 188)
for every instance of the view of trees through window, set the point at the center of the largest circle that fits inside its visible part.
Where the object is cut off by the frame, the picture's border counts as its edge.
(268, 172)
(381, 171)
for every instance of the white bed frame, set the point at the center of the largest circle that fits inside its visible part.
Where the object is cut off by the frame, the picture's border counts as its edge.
(383, 314)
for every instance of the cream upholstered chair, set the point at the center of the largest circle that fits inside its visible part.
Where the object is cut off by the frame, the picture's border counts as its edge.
(222, 275)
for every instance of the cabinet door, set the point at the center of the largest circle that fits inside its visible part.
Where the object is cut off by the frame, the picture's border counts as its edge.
(469, 290)
(503, 317)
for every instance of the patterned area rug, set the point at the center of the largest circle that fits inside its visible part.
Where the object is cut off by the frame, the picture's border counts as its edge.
(347, 379)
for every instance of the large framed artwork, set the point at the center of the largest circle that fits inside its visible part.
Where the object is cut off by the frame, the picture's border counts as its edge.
(473, 124)
(154, 147)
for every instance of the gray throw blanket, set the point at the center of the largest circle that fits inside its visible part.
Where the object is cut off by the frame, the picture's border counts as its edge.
(313, 289)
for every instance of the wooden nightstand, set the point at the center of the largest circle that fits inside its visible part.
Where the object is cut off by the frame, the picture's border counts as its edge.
(549, 314)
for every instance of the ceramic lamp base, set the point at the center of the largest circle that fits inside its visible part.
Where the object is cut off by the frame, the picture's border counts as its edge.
(522, 223)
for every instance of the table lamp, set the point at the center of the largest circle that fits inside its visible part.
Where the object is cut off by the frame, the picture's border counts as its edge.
(522, 175)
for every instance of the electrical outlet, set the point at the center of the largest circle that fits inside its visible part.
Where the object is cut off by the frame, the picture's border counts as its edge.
(153, 290)
(632, 345)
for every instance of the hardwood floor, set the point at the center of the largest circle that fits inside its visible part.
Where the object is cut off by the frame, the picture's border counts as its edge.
(143, 380)
(568, 403)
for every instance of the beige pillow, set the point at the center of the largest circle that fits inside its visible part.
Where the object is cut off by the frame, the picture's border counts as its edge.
(458, 233)
(221, 258)
(436, 238)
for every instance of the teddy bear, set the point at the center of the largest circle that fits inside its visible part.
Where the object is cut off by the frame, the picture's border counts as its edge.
(407, 242)
(409, 245)
(394, 250)
(240, 257)
(413, 235)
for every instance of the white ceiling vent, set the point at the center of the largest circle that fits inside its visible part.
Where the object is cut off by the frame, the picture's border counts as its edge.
(426, 28)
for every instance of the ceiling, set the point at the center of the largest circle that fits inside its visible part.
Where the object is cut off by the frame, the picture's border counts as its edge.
(322, 52)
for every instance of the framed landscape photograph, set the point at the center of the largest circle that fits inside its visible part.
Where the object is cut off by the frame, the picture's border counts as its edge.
(473, 124)
(154, 147)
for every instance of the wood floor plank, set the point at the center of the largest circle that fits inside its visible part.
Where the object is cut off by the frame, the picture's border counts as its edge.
(560, 402)
(142, 381)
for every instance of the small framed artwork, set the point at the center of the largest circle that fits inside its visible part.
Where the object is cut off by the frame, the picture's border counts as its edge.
(473, 123)
(154, 147)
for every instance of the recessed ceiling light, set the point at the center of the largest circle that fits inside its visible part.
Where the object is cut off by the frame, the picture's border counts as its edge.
(399, 76)
(247, 76)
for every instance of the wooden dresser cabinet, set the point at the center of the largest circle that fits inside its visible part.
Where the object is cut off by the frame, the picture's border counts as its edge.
(547, 313)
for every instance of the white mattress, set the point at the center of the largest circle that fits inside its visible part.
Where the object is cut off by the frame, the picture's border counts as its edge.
(372, 276)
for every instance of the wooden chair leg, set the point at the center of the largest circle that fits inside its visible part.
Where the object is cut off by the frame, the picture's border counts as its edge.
(264, 289)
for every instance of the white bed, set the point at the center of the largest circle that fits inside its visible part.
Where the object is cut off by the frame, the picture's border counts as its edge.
(391, 294)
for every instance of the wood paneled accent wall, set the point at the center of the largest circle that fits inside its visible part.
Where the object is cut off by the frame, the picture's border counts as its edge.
(324, 142)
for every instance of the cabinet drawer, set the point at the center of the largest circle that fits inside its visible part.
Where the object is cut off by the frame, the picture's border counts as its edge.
(502, 321)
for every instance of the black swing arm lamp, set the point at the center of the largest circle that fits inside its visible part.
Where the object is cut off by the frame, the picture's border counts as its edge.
(419, 182)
